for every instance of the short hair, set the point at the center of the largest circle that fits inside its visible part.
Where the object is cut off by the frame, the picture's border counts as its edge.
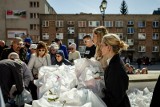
(54, 45)
(16, 40)
(13, 56)
(87, 36)
(56, 40)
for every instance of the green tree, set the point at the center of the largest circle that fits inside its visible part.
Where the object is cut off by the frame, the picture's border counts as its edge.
(124, 8)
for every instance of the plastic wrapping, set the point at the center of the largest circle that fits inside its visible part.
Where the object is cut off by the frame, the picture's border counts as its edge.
(71, 98)
(140, 98)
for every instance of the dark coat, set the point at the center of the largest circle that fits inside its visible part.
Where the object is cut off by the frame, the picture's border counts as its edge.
(155, 102)
(10, 74)
(116, 82)
(7, 51)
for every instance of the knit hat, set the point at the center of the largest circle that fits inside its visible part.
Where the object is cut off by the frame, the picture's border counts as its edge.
(28, 40)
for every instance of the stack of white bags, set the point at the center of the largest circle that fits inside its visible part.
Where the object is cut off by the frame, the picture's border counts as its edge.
(70, 86)
(78, 86)
(140, 98)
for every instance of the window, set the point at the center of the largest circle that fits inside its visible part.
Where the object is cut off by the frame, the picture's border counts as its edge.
(155, 49)
(34, 26)
(108, 23)
(70, 41)
(70, 30)
(155, 36)
(119, 24)
(59, 23)
(45, 36)
(59, 35)
(34, 15)
(70, 22)
(130, 30)
(81, 23)
(81, 35)
(155, 24)
(141, 36)
(82, 49)
(120, 35)
(130, 22)
(34, 4)
(141, 23)
(141, 49)
(45, 23)
(130, 42)
(94, 23)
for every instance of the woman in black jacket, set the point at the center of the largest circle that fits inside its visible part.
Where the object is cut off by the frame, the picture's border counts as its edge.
(115, 77)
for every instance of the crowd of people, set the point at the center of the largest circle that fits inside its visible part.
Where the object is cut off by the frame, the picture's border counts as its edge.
(130, 69)
(20, 63)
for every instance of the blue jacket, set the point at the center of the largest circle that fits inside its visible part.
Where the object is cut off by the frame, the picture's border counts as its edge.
(64, 49)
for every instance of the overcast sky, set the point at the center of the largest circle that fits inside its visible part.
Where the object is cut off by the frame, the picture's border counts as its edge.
(113, 6)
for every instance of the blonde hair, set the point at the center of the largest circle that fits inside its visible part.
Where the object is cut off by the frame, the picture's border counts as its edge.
(16, 40)
(114, 41)
(100, 32)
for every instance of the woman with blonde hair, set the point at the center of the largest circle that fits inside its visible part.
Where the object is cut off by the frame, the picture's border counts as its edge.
(39, 59)
(98, 33)
(115, 77)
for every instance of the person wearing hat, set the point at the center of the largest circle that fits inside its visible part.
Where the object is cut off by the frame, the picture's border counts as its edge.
(27, 44)
(33, 48)
(62, 47)
(60, 59)
(52, 51)
(73, 54)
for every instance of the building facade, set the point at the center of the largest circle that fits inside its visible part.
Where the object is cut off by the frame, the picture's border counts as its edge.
(140, 31)
(21, 17)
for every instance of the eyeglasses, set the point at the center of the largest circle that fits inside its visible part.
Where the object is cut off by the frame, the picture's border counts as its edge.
(70, 48)
(41, 50)
(86, 41)
(58, 56)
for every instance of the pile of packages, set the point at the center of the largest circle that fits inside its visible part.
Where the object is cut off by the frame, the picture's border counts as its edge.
(70, 86)
(78, 86)
(140, 98)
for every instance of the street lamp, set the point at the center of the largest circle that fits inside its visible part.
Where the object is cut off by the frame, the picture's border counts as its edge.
(102, 8)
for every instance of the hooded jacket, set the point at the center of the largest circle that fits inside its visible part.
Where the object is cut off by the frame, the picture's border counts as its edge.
(63, 61)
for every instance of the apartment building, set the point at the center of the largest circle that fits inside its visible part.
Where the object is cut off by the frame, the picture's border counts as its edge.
(140, 31)
(21, 17)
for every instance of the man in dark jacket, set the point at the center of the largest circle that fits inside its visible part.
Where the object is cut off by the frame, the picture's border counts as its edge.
(2, 45)
(17, 46)
(10, 74)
